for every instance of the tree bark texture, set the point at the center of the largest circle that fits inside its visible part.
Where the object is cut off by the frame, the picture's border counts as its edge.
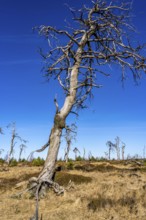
(48, 170)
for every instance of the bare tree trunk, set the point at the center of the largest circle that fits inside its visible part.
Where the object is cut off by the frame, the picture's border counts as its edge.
(67, 153)
(20, 154)
(49, 166)
(123, 151)
(117, 147)
(48, 170)
(12, 145)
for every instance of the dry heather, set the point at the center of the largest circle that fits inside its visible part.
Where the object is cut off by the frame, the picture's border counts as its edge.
(100, 191)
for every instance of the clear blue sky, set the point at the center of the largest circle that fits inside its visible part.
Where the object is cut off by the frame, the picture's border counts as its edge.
(27, 99)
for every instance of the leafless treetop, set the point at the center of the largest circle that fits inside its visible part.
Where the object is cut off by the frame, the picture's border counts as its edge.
(105, 28)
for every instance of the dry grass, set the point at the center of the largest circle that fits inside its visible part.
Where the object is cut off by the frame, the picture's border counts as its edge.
(108, 191)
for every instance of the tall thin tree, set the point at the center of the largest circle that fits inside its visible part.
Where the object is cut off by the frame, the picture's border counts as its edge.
(117, 147)
(14, 137)
(22, 147)
(111, 148)
(123, 150)
(70, 135)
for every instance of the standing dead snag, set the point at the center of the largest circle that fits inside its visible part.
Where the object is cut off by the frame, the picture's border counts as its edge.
(70, 134)
(117, 147)
(13, 143)
(13, 137)
(111, 148)
(123, 150)
(75, 150)
(100, 39)
(22, 147)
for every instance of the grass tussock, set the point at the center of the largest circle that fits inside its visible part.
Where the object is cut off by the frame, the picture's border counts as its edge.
(63, 178)
(9, 183)
(94, 167)
(102, 202)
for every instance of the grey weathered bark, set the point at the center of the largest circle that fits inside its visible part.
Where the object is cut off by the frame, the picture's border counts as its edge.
(100, 39)
(60, 117)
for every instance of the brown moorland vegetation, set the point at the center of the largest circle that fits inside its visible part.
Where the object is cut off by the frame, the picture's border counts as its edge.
(99, 190)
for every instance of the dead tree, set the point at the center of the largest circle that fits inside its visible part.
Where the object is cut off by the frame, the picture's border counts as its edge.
(84, 154)
(111, 148)
(97, 38)
(76, 151)
(123, 150)
(12, 145)
(14, 136)
(117, 147)
(70, 135)
(106, 155)
(22, 147)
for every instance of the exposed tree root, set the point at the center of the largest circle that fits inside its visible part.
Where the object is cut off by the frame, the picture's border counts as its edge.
(38, 189)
